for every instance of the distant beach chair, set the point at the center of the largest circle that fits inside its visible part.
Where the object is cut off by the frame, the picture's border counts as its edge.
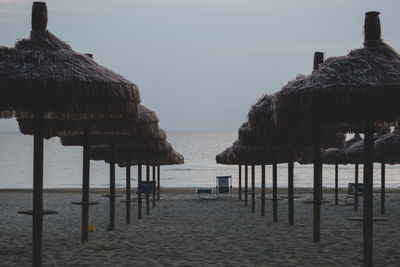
(224, 186)
(351, 191)
(204, 193)
(144, 188)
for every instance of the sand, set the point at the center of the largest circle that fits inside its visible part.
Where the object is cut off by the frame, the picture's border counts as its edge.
(184, 231)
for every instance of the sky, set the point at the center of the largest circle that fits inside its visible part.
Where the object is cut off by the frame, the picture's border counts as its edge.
(201, 64)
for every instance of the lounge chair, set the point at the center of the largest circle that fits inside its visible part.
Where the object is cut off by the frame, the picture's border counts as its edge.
(224, 186)
(204, 193)
(144, 187)
(351, 191)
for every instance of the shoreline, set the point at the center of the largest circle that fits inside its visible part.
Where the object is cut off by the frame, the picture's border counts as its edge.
(192, 190)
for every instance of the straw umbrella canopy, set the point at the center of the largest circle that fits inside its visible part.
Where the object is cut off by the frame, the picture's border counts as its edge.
(42, 77)
(356, 152)
(154, 139)
(226, 157)
(358, 92)
(283, 138)
(387, 152)
(171, 158)
(137, 150)
(387, 148)
(97, 131)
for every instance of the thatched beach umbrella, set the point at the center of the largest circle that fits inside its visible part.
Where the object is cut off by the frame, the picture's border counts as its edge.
(261, 121)
(170, 158)
(154, 139)
(226, 158)
(42, 77)
(258, 155)
(357, 92)
(135, 149)
(83, 131)
(387, 152)
(252, 155)
(331, 156)
(355, 155)
(335, 156)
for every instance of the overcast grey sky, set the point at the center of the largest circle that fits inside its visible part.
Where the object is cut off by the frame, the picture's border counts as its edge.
(200, 64)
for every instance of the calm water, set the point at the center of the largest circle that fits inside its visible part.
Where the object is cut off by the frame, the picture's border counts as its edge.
(63, 165)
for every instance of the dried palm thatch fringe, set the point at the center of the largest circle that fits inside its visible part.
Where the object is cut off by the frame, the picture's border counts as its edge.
(345, 92)
(387, 148)
(170, 158)
(226, 157)
(258, 155)
(146, 124)
(134, 151)
(43, 73)
(105, 139)
(261, 130)
(279, 138)
(355, 153)
(334, 156)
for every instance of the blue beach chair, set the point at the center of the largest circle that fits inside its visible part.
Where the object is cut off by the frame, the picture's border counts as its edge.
(144, 188)
(224, 186)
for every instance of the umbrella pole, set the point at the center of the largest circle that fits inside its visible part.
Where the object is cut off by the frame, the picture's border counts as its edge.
(336, 184)
(317, 186)
(154, 186)
(246, 186)
(37, 218)
(240, 182)
(275, 191)
(112, 190)
(321, 175)
(383, 188)
(158, 182)
(128, 192)
(139, 190)
(290, 188)
(356, 188)
(253, 195)
(262, 190)
(85, 187)
(368, 179)
(147, 189)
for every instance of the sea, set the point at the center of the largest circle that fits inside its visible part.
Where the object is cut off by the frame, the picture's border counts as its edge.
(63, 165)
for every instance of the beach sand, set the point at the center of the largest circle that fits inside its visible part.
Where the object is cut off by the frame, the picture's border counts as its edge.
(184, 231)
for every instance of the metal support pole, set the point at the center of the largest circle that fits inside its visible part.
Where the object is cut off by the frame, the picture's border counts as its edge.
(253, 193)
(139, 189)
(128, 192)
(240, 182)
(158, 182)
(147, 189)
(263, 190)
(368, 191)
(291, 190)
(37, 218)
(112, 190)
(317, 186)
(246, 186)
(275, 191)
(336, 184)
(85, 187)
(383, 188)
(154, 186)
(356, 188)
